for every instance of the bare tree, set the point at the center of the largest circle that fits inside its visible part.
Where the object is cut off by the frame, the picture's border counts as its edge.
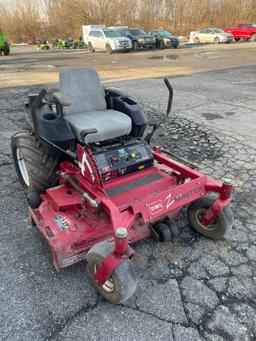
(25, 20)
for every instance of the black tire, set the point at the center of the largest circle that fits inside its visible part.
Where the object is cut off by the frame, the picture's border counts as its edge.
(109, 48)
(90, 47)
(122, 282)
(197, 41)
(217, 229)
(135, 45)
(216, 40)
(237, 39)
(36, 170)
(161, 45)
(175, 46)
(175, 231)
(253, 37)
(164, 232)
(6, 50)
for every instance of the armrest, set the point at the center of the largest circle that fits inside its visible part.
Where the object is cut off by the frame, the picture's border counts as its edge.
(115, 92)
(63, 100)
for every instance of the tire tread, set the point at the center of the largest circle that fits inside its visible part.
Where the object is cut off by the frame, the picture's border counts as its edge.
(41, 167)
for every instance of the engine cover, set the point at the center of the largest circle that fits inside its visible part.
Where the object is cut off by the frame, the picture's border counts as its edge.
(122, 160)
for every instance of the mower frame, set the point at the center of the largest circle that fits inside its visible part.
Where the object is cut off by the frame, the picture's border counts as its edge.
(83, 197)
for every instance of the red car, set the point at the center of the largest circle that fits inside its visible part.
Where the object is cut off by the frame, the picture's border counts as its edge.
(243, 31)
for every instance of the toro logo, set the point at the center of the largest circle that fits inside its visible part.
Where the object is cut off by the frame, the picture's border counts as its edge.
(156, 206)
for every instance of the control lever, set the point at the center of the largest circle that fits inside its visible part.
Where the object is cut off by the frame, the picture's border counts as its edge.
(155, 126)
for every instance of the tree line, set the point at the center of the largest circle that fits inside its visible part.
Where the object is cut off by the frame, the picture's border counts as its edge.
(29, 20)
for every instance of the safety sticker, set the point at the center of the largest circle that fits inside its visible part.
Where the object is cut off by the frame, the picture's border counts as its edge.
(63, 225)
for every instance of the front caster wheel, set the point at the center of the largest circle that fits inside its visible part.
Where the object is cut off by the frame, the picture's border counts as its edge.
(122, 282)
(217, 228)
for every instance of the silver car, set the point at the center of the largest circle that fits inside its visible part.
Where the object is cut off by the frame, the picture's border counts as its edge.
(212, 35)
(108, 40)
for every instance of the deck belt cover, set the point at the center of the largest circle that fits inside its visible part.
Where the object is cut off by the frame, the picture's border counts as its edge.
(134, 184)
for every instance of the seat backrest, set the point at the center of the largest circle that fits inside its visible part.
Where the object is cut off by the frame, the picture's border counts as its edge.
(83, 87)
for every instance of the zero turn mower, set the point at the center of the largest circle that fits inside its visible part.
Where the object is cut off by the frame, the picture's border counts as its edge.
(95, 186)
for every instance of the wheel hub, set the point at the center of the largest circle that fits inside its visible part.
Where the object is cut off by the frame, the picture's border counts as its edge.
(22, 167)
(199, 214)
(109, 285)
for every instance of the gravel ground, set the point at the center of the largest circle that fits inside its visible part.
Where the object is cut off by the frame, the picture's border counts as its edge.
(190, 289)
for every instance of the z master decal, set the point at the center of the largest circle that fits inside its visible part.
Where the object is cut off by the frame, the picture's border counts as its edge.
(157, 206)
(169, 201)
(63, 225)
(180, 197)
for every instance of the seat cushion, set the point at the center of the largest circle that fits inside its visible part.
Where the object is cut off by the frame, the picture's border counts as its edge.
(83, 87)
(109, 124)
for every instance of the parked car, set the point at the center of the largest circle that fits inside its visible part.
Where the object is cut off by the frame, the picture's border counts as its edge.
(138, 37)
(164, 39)
(243, 31)
(212, 35)
(4, 46)
(108, 40)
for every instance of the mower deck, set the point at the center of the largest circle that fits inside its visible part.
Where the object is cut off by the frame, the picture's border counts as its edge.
(70, 234)
(135, 200)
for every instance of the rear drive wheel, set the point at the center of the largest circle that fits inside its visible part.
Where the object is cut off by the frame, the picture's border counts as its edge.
(36, 170)
(216, 40)
(217, 228)
(197, 41)
(135, 46)
(122, 282)
(91, 48)
(253, 37)
(237, 39)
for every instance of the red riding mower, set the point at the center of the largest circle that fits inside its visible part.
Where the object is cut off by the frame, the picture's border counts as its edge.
(94, 185)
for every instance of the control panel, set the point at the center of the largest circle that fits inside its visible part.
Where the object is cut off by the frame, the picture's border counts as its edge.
(123, 160)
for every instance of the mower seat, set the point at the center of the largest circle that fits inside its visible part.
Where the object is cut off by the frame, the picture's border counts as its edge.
(85, 108)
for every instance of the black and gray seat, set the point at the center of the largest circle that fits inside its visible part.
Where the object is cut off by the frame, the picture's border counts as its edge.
(84, 106)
